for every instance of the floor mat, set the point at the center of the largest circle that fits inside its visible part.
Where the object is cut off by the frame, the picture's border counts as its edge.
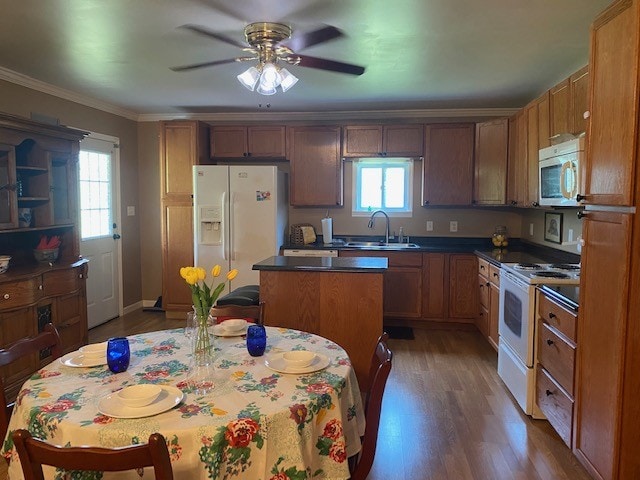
(403, 333)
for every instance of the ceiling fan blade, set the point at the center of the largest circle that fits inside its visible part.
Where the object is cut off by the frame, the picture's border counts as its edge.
(301, 41)
(332, 65)
(218, 36)
(194, 66)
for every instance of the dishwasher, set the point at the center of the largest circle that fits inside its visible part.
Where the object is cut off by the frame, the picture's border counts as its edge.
(295, 252)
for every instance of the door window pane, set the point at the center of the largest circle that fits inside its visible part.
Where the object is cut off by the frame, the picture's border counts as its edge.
(95, 194)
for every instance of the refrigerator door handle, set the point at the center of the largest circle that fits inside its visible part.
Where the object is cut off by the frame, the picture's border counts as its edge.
(223, 222)
(232, 215)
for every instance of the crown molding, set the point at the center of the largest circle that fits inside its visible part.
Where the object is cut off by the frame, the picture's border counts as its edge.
(32, 83)
(230, 117)
(445, 113)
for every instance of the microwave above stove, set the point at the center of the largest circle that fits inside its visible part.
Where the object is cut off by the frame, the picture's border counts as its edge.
(559, 173)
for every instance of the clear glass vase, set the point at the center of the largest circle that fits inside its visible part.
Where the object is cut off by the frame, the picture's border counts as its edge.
(201, 371)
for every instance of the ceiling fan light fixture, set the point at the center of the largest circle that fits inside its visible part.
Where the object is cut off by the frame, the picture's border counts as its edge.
(288, 79)
(249, 78)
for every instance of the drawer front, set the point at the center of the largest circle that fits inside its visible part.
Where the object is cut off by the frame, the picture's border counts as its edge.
(483, 267)
(59, 282)
(494, 274)
(555, 404)
(558, 317)
(483, 285)
(557, 356)
(20, 293)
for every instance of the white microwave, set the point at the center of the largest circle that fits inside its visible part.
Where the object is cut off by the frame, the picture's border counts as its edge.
(559, 173)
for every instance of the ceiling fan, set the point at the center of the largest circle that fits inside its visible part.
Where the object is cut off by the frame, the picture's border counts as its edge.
(271, 44)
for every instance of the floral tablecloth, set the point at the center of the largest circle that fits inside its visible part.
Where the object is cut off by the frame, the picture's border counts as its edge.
(257, 423)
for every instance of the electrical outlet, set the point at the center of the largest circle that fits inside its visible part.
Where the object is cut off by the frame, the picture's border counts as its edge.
(429, 226)
(453, 226)
(531, 229)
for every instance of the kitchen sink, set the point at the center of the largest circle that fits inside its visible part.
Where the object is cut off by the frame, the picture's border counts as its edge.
(382, 245)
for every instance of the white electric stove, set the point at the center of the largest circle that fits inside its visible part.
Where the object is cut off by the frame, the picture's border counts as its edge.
(516, 348)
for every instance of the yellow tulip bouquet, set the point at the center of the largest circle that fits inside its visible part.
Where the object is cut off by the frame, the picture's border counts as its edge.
(204, 296)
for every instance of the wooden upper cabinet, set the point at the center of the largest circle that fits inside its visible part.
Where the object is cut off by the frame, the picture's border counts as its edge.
(537, 137)
(579, 85)
(251, 141)
(490, 176)
(517, 160)
(316, 166)
(611, 158)
(383, 141)
(567, 103)
(447, 170)
(183, 144)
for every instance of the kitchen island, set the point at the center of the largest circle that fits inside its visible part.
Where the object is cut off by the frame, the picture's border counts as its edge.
(336, 298)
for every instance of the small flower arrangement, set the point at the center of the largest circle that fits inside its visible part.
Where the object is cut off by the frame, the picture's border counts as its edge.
(203, 295)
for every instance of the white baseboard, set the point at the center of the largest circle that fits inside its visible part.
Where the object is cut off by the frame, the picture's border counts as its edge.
(133, 307)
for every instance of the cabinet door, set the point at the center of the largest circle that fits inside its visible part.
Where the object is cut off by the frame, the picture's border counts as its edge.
(559, 105)
(403, 292)
(69, 315)
(362, 141)
(15, 325)
(229, 142)
(447, 170)
(463, 289)
(434, 293)
(604, 294)
(63, 186)
(490, 180)
(537, 135)
(177, 252)
(316, 168)
(613, 122)
(518, 160)
(579, 83)
(8, 200)
(182, 145)
(266, 142)
(403, 141)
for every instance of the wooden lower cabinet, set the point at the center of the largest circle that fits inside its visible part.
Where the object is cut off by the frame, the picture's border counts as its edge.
(431, 287)
(55, 296)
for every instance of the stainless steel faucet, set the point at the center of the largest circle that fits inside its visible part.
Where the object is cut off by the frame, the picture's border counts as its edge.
(371, 219)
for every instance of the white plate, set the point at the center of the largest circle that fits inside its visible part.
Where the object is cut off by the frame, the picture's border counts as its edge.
(220, 331)
(277, 363)
(77, 359)
(113, 407)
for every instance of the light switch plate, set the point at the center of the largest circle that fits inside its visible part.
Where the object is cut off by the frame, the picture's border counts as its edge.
(429, 226)
(453, 226)
(131, 211)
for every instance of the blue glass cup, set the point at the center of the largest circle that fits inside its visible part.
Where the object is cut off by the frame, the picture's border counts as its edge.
(256, 340)
(118, 354)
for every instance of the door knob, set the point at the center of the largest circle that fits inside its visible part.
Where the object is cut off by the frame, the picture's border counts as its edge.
(116, 236)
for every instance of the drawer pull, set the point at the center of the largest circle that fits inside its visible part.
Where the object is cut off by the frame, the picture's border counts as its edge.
(7, 296)
(487, 284)
(481, 267)
(548, 392)
(495, 274)
(549, 341)
(552, 315)
(39, 287)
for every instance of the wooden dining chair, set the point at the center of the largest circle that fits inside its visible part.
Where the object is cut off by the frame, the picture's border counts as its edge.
(48, 338)
(360, 465)
(34, 453)
(253, 312)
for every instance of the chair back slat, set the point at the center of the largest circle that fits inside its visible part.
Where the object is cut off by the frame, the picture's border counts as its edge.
(255, 312)
(48, 338)
(34, 453)
(378, 374)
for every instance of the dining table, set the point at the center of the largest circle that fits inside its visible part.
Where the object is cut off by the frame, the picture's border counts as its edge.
(262, 418)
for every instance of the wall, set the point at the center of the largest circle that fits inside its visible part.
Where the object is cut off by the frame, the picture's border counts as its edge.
(570, 221)
(17, 100)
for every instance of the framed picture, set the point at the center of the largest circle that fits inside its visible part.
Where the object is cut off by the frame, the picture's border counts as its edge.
(553, 227)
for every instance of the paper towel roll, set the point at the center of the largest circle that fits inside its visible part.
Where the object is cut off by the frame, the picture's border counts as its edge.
(327, 230)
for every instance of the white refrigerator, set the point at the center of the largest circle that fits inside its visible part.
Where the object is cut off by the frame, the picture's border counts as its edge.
(240, 218)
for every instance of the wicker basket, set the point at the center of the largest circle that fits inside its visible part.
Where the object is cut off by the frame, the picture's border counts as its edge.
(296, 236)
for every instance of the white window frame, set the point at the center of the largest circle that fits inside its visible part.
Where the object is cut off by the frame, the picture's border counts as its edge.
(361, 211)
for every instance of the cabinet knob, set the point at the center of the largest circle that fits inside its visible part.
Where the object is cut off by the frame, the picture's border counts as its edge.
(549, 341)
(426, 202)
(244, 154)
(586, 114)
(39, 287)
(80, 276)
(580, 198)
(548, 392)
(7, 296)
(487, 284)
(514, 202)
(481, 267)
(581, 214)
(552, 315)
(535, 204)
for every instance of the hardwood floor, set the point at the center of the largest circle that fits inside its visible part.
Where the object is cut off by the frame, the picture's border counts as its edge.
(446, 414)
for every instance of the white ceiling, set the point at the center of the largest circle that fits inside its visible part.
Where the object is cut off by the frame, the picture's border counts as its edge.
(418, 54)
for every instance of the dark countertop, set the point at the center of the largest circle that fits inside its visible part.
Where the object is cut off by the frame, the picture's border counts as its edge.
(324, 264)
(567, 295)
